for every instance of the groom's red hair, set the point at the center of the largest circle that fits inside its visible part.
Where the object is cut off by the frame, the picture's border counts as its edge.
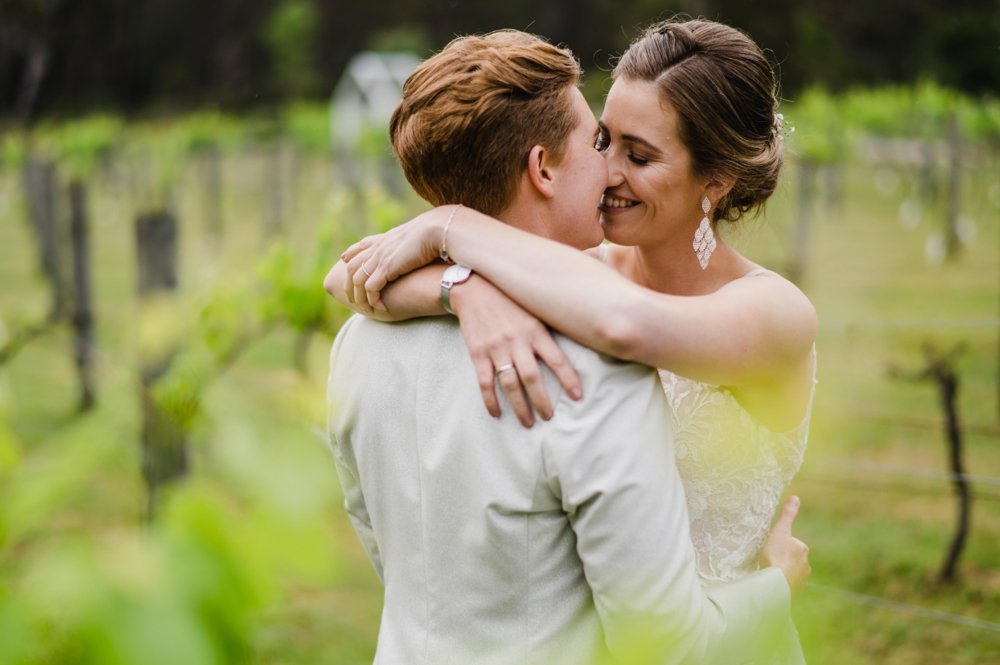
(471, 113)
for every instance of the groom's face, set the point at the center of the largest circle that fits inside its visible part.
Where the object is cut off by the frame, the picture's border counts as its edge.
(581, 178)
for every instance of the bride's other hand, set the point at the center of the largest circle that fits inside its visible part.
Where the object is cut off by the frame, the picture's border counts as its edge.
(785, 551)
(506, 344)
(380, 259)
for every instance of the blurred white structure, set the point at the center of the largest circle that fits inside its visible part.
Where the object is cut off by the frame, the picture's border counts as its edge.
(366, 96)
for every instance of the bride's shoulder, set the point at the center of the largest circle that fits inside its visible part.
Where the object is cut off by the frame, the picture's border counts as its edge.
(763, 290)
(768, 283)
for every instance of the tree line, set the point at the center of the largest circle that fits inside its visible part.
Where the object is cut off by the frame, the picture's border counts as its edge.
(60, 57)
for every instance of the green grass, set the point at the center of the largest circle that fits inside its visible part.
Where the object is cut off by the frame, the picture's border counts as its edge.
(255, 447)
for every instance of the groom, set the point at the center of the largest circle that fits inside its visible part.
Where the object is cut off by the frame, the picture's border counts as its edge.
(564, 543)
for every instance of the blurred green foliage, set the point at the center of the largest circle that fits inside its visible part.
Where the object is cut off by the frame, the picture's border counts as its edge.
(208, 130)
(828, 126)
(408, 38)
(291, 293)
(308, 126)
(12, 150)
(78, 145)
(187, 589)
(290, 34)
(819, 132)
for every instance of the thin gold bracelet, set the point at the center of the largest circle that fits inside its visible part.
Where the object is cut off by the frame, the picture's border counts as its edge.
(443, 252)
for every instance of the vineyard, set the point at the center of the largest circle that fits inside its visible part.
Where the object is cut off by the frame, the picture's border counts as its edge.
(166, 494)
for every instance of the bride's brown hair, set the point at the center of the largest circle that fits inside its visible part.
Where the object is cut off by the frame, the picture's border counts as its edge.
(725, 93)
(471, 113)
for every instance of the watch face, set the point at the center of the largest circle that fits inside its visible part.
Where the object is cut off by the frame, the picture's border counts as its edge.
(456, 274)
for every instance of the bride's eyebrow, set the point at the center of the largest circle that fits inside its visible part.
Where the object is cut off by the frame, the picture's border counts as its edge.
(652, 149)
(632, 138)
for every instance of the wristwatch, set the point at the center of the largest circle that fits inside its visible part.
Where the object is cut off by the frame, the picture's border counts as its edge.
(453, 274)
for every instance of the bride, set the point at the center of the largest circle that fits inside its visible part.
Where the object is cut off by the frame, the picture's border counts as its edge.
(692, 141)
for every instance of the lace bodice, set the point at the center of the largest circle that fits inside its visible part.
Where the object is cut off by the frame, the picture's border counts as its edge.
(734, 471)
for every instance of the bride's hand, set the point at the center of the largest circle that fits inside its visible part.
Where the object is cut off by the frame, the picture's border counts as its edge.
(506, 344)
(785, 551)
(380, 259)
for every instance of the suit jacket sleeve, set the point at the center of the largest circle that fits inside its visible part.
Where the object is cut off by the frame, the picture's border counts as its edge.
(610, 458)
(343, 454)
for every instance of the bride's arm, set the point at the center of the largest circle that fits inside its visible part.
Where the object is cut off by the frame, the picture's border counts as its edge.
(751, 331)
(414, 296)
(496, 329)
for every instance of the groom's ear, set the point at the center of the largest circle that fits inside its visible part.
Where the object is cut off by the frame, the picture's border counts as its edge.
(540, 171)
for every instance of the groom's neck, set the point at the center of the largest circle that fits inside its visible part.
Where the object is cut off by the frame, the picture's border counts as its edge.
(526, 216)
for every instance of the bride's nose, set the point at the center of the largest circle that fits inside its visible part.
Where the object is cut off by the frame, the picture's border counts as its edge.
(616, 175)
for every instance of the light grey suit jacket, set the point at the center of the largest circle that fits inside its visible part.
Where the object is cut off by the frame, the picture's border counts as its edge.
(499, 544)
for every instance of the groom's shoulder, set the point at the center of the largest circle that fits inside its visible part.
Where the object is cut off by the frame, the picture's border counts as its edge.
(359, 330)
(405, 345)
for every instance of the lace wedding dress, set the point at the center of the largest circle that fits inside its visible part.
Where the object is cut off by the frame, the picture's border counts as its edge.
(734, 472)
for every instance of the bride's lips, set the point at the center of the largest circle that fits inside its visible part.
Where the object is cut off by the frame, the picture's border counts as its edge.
(610, 203)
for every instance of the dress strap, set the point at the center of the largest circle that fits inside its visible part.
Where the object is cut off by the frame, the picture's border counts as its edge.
(757, 271)
(602, 252)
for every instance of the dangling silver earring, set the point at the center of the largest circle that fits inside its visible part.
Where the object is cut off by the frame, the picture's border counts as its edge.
(704, 237)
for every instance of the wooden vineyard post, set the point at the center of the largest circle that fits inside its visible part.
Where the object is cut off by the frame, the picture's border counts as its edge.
(41, 184)
(940, 369)
(164, 438)
(211, 167)
(804, 219)
(952, 242)
(833, 180)
(83, 318)
(156, 237)
(274, 186)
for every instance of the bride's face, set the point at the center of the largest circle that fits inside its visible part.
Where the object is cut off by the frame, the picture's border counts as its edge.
(653, 193)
